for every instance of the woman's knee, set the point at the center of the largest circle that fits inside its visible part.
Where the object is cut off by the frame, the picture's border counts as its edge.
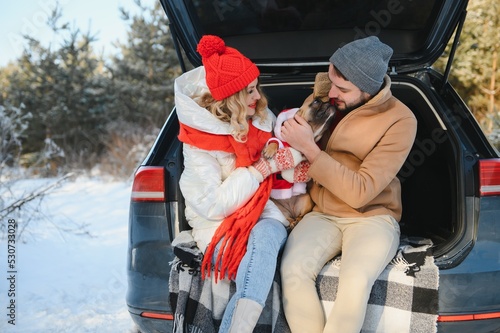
(269, 228)
(269, 231)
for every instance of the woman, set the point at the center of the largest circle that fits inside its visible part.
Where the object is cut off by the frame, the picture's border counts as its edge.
(224, 124)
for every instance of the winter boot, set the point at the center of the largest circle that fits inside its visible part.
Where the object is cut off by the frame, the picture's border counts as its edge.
(245, 316)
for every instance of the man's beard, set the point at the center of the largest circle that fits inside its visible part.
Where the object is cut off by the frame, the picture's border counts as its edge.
(349, 107)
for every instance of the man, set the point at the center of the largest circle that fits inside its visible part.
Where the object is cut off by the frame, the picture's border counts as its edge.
(356, 192)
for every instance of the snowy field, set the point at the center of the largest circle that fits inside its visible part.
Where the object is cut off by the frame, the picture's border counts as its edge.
(65, 278)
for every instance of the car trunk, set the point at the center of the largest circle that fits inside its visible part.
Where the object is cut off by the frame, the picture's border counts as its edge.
(290, 41)
(438, 202)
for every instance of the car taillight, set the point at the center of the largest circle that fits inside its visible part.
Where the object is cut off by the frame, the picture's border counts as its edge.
(154, 315)
(149, 184)
(468, 317)
(489, 177)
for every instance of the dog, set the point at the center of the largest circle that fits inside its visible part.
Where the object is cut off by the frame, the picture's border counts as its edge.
(319, 114)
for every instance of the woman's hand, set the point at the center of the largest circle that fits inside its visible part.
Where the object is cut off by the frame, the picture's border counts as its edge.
(285, 158)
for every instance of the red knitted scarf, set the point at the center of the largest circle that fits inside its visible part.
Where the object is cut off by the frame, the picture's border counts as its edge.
(235, 229)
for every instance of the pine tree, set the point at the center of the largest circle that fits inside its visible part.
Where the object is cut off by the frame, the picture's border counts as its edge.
(144, 72)
(64, 92)
(475, 69)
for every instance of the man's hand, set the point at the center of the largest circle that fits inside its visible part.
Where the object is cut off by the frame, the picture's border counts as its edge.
(298, 134)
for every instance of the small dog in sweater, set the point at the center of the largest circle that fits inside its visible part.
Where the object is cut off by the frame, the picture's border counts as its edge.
(290, 196)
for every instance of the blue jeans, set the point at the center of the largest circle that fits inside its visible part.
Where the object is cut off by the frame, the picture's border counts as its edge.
(257, 268)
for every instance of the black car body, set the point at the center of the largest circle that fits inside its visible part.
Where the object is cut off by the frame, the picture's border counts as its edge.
(450, 181)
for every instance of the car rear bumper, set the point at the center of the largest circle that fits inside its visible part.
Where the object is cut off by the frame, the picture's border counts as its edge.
(476, 326)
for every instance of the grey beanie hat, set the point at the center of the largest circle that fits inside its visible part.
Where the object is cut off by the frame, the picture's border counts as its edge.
(364, 62)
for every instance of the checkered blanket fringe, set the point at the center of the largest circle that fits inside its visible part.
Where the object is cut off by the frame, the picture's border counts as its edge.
(404, 299)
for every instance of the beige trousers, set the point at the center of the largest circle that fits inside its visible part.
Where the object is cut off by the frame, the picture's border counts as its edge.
(367, 244)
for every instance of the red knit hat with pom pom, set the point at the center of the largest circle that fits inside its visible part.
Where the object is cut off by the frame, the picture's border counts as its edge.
(227, 70)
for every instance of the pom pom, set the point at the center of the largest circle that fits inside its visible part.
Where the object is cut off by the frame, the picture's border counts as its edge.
(210, 45)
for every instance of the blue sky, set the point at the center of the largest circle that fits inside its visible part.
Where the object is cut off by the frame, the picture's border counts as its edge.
(100, 17)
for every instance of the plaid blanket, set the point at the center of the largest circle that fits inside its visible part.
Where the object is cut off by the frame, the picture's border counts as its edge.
(404, 299)
(199, 305)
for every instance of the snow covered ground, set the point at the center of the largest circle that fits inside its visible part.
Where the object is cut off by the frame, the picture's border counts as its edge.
(68, 281)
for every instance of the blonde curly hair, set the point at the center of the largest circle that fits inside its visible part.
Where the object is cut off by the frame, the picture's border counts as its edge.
(233, 110)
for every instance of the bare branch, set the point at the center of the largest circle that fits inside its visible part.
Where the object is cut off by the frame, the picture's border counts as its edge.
(38, 193)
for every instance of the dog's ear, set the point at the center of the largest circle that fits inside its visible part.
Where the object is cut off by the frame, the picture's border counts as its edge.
(322, 86)
(305, 106)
